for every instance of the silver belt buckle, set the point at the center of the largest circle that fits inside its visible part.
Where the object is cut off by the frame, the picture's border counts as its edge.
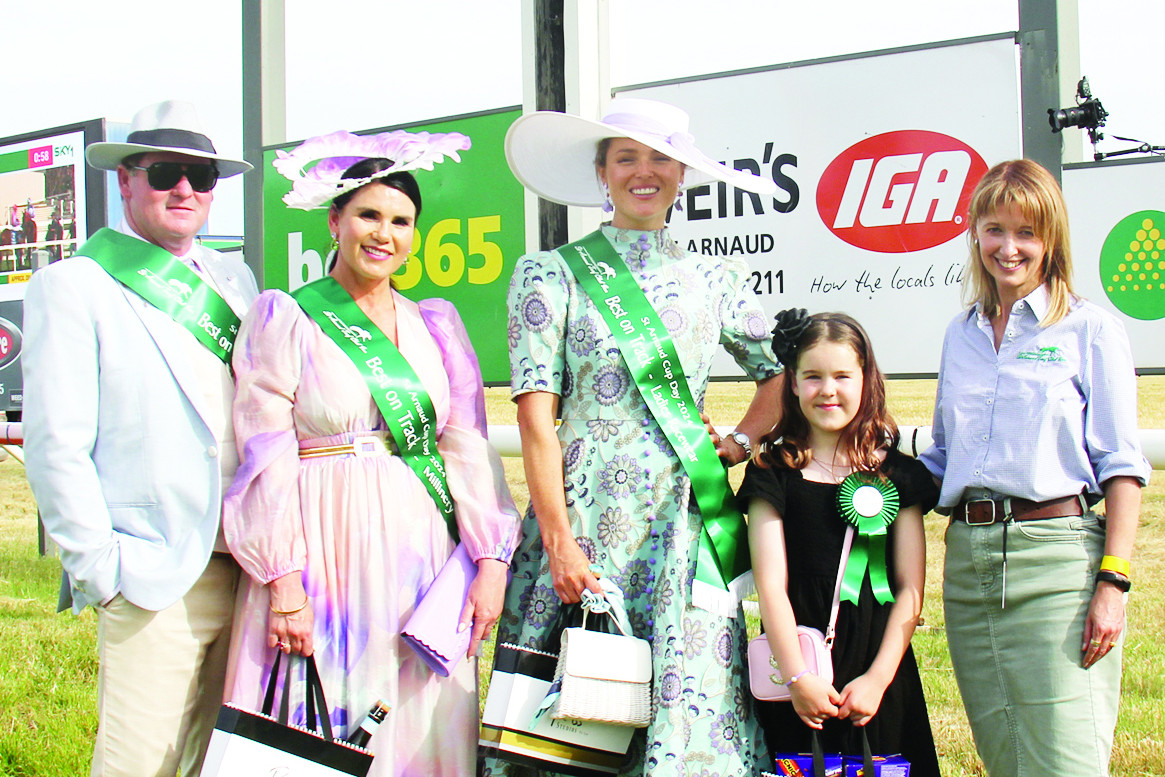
(367, 445)
(967, 512)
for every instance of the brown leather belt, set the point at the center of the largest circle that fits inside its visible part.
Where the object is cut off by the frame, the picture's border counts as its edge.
(984, 512)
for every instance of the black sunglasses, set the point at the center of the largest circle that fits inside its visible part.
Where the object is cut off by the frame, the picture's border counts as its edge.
(164, 176)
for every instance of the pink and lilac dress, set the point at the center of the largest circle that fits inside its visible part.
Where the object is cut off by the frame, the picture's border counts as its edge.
(363, 530)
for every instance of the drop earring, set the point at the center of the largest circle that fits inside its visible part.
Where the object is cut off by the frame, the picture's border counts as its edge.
(679, 203)
(608, 206)
(335, 246)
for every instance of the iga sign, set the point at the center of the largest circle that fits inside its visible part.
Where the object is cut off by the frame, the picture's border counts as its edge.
(899, 191)
(875, 157)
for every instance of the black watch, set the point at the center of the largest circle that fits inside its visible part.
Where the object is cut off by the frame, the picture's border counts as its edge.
(1116, 578)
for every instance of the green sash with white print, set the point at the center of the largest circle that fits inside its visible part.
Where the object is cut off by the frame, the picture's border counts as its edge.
(397, 390)
(163, 280)
(651, 358)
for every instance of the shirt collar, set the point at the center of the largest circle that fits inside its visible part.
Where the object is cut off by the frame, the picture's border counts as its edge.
(1038, 301)
(190, 258)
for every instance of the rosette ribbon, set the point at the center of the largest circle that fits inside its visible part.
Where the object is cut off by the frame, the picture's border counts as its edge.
(869, 503)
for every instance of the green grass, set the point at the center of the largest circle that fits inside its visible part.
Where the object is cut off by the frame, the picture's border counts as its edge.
(1139, 750)
(48, 662)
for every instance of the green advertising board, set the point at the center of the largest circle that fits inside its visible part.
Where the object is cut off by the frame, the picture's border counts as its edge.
(470, 234)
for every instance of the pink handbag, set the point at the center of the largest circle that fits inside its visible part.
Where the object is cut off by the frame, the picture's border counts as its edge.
(764, 677)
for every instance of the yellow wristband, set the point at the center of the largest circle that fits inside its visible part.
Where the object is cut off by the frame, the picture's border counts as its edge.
(1115, 564)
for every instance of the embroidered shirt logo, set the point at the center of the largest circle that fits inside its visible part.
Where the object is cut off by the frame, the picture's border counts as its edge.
(1049, 353)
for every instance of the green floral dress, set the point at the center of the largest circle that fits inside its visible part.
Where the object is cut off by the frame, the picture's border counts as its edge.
(627, 496)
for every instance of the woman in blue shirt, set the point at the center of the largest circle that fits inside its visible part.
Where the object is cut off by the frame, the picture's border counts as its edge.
(1035, 421)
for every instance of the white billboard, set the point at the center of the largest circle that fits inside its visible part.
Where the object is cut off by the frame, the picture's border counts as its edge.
(1117, 213)
(875, 158)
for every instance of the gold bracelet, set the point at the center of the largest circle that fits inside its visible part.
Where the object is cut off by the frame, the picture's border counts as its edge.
(1115, 564)
(290, 612)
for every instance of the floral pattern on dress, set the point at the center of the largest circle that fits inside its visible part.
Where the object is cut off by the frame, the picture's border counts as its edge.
(628, 497)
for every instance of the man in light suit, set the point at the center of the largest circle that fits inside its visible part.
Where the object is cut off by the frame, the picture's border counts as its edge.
(130, 446)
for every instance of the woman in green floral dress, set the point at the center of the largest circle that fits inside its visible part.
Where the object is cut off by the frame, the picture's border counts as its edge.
(609, 496)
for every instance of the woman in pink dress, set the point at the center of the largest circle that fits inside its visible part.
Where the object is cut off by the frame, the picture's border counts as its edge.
(338, 537)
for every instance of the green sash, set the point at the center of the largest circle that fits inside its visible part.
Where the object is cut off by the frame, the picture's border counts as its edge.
(164, 281)
(398, 392)
(651, 358)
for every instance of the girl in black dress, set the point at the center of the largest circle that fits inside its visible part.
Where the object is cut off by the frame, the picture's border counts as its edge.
(832, 461)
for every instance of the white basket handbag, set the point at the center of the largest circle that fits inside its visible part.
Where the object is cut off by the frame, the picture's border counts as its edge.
(603, 677)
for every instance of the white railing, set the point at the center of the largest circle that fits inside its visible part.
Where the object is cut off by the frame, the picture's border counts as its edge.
(915, 439)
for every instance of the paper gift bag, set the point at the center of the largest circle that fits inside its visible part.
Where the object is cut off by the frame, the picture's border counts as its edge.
(255, 743)
(246, 743)
(520, 681)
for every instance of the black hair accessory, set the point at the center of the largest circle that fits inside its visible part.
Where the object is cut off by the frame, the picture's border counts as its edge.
(791, 325)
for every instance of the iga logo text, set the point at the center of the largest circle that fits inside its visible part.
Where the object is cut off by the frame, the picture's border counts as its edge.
(900, 191)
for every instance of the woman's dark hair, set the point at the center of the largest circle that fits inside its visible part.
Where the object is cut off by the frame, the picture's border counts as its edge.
(601, 153)
(870, 430)
(403, 182)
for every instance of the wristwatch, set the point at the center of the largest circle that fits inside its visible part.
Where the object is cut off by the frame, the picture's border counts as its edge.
(742, 440)
(1122, 583)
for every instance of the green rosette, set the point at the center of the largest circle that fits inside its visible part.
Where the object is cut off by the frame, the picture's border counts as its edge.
(870, 504)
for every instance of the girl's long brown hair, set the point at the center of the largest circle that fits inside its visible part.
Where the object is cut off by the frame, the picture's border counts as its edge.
(870, 430)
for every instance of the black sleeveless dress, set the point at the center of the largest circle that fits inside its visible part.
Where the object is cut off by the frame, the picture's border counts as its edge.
(814, 533)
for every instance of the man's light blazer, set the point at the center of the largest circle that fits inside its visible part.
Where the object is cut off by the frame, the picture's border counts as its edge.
(119, 452)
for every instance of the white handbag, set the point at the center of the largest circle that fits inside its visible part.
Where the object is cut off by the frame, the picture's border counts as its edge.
(603, 677)
(764, 678)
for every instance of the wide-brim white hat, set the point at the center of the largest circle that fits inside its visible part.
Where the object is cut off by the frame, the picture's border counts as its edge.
(171, 125)
(553, 154)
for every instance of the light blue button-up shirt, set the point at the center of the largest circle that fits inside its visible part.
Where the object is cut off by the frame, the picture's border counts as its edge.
(1052, 414)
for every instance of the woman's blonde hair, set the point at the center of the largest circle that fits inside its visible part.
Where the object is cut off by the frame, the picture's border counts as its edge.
(1032, 189)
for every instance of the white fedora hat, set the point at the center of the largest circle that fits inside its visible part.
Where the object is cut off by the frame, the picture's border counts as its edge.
(171, 125)
(553, 154)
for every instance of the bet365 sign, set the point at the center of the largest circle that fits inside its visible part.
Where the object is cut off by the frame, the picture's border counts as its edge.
(470, 234)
